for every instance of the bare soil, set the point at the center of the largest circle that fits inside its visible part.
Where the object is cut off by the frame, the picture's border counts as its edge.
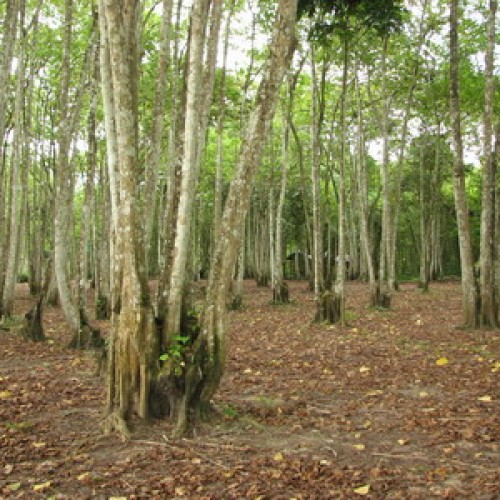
(397, 404)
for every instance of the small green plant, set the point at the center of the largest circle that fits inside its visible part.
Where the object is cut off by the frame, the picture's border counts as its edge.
(174, 355)
(229, 411)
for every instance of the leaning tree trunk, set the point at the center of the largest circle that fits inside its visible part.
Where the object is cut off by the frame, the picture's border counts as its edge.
(206, 362)
(469, 287)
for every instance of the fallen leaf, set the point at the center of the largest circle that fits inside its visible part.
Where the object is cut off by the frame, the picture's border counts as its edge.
(441, 361)
(84, 476)
(423, 394)
(364, 369)
(180, 491)
(5, 395)
(278, 457)
(367, 424)
(196, 460)
(359, 447)
(376, 392)
(247, 370)
(8, 469)
(325, 462)
(14, 486)
(485, 399)
(42, 486)
(37, 445)
(403, 442)
(362, 490)
(496, 367)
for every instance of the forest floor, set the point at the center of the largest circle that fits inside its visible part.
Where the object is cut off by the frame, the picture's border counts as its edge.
(398, 404)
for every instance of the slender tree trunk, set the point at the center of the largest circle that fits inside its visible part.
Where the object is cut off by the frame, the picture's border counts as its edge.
(9, 34)
(489, 301)
(316, 202)
(280, 291)
(160, 98)
(16, 188)
(469, 288)
(196, 122)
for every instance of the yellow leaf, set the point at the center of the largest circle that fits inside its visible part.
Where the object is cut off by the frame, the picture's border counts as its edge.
(364, 369)
(480, 359)
(362, 490)
(37, 445)
(50, 341)
(376, 392)
(42, 486)
(278, 457)
(14, 486)
(441, 361)
(84, 476)
(196, 460)
(118, 498)
(485, 399)
(359, 447)
(180, 491)
(423, 394)
(496, 367)
(247, 370)
(367, 424)
(325, 462)
(5, 395)
(402, 442)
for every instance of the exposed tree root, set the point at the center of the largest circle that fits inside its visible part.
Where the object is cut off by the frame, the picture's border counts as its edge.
(115, 423)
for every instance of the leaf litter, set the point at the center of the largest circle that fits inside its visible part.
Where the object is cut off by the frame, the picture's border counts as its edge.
(305, 410)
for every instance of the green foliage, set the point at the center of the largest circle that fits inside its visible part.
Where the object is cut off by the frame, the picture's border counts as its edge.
(174, 355)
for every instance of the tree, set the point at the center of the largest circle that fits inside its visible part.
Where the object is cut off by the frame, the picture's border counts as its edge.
(489, 301)
(469, 288)
(133, 342)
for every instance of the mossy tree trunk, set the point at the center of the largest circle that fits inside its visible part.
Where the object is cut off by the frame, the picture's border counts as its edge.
(133, 349)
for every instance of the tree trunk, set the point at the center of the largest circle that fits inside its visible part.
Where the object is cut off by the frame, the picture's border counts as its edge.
(133, 346)
(17, 192)
(489, 301)
(206, 363)
(469, 288)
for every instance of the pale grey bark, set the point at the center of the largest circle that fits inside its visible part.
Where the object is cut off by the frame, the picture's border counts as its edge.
(10, 23)
(469, 289)
(317, 233)
(489, 301)
(158, 127)
(202, 382)
(133, 350)
(198, 99)
(17, 192)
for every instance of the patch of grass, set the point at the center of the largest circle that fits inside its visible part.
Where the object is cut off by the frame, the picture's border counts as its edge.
(230, 411)
(19, 426)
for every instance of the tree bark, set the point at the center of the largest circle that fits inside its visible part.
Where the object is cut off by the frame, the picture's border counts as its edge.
(469, 287)
(133, 347)
(206, 364)
(489, 301)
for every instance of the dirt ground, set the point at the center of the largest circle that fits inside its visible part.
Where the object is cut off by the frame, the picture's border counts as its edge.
(398, 404)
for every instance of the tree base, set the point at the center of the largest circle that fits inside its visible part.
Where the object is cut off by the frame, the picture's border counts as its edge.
(329, 308)
(262, 280)
(236, 303)
(380, 298)
(102, 308)
(87, 338)
(32, 328)
(115, 423)
(281, 294)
